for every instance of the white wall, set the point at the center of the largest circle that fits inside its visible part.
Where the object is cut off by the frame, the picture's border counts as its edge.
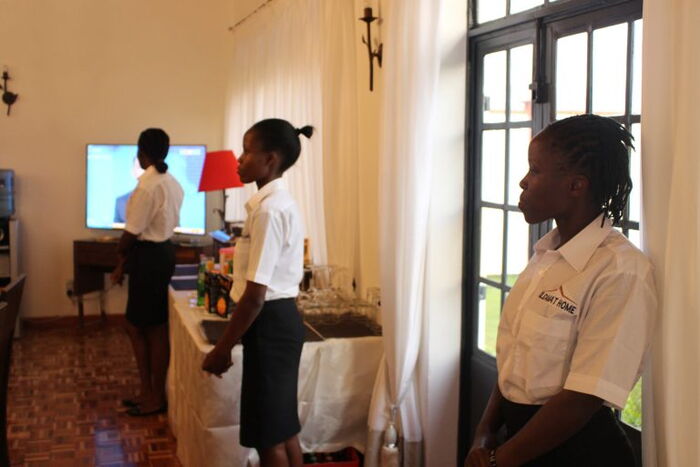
(98, 71)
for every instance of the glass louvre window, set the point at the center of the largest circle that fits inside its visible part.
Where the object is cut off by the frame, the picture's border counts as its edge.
(505, 132)
(610, 85)
(490, 10)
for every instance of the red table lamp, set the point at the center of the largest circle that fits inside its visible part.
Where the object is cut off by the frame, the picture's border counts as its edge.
(219, 171)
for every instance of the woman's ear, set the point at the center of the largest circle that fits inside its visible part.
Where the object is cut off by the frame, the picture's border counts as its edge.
(579, 185)
(275, 160)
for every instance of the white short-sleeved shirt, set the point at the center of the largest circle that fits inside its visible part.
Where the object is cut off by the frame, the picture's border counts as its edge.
(153, 209)
(270, 250)
(578, 318)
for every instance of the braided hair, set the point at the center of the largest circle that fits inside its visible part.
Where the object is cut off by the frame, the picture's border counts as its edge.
(598, 147)
(155, 143)
(275, 134)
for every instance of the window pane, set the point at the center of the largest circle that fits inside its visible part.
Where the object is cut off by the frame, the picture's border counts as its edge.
(635, 201)
(489, 316)
(518, 246)
(517, 162)
(610, 70)
(522, 5)
(520, 80)
(637, 69)
(493, 169)
(495, 87)
(491, 243)
(488, 10)
(635, 237)
(572, 62)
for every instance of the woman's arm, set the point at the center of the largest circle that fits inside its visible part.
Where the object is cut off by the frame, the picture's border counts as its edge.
(485, 436)
(560, 418)
(126, 243)
(218, 361)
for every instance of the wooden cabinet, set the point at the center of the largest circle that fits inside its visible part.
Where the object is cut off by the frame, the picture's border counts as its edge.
(93, 258)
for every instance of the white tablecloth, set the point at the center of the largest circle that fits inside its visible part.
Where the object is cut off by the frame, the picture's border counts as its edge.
(336, 377)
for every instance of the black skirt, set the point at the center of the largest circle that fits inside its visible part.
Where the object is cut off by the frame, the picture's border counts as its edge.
(271, 352)
(150, 266)
(600, 443)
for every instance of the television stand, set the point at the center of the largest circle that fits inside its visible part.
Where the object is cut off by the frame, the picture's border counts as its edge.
(93, 258)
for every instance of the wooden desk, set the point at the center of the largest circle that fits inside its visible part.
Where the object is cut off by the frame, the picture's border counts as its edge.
(93, 258)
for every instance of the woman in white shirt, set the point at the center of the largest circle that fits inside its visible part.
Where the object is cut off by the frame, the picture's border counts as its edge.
(268, 267)
(578, 321)
(145, 250)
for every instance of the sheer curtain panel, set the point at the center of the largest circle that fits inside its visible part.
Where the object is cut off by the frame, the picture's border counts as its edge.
(671, 228)
(411, 72)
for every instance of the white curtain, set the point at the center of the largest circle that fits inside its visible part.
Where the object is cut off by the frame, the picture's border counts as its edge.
(295, 59)
(671, 98)
(411, 71)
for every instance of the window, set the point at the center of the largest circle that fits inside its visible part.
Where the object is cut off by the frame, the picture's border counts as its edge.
(533, 62)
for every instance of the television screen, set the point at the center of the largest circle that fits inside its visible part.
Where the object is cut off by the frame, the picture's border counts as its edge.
(112, 173)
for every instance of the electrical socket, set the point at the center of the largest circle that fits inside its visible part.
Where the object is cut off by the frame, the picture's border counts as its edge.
(69, 288)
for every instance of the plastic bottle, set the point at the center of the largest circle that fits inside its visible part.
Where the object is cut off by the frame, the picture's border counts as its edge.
(201, 282)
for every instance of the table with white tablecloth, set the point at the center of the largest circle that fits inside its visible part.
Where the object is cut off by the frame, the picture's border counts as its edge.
(336, 378)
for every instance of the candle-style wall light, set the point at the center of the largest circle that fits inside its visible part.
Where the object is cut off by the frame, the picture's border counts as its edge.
(8, 98)
(377, 53)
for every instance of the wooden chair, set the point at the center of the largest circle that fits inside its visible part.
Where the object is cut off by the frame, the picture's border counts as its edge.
(10, 299)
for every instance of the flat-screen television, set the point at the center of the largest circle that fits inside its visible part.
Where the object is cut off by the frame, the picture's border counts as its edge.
(112, 174)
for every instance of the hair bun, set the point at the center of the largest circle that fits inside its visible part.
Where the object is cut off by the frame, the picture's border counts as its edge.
(161, 166)
(306, 131)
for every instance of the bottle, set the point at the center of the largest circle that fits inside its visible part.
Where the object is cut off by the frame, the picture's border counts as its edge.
(307, 253)
(201, 280)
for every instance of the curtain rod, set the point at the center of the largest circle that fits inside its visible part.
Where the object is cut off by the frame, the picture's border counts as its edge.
(232, 28)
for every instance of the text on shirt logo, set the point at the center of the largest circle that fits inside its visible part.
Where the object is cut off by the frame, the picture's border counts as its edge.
(563, 302)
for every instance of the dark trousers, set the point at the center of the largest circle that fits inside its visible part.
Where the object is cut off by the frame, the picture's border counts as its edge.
(600, 443)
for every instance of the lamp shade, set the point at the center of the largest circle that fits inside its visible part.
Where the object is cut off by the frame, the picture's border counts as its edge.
(219, 171)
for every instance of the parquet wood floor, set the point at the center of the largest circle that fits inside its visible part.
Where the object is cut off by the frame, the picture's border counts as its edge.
(65, 389)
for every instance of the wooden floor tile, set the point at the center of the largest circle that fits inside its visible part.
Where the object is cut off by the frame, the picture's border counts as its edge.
(65, 389)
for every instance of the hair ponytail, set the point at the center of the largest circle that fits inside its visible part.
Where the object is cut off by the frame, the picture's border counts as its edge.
(279, 135)
(155, 143)
(305, 130)
(161, 166)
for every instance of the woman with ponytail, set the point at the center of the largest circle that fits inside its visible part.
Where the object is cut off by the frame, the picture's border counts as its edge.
(152, 213)
(267, 271)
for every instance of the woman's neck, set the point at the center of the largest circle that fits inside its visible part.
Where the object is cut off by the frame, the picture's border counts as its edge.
(265, 180)
(569, 227)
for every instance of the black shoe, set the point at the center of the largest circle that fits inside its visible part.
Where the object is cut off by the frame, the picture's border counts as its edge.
(137, 412)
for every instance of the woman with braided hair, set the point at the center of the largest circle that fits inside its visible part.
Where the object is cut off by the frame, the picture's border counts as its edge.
(577, 323)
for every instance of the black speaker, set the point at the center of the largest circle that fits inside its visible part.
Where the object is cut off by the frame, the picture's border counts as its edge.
(7, 192)
(4, 231)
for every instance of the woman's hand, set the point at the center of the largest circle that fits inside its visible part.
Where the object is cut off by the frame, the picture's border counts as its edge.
(117, 276)
(217, 362)
(479, 453)
(477, 457)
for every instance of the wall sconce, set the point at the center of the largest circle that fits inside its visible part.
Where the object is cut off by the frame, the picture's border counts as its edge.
(377, 53)
(8, 97)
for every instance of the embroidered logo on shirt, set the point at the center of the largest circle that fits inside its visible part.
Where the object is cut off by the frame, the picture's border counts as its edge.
(563, 302)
